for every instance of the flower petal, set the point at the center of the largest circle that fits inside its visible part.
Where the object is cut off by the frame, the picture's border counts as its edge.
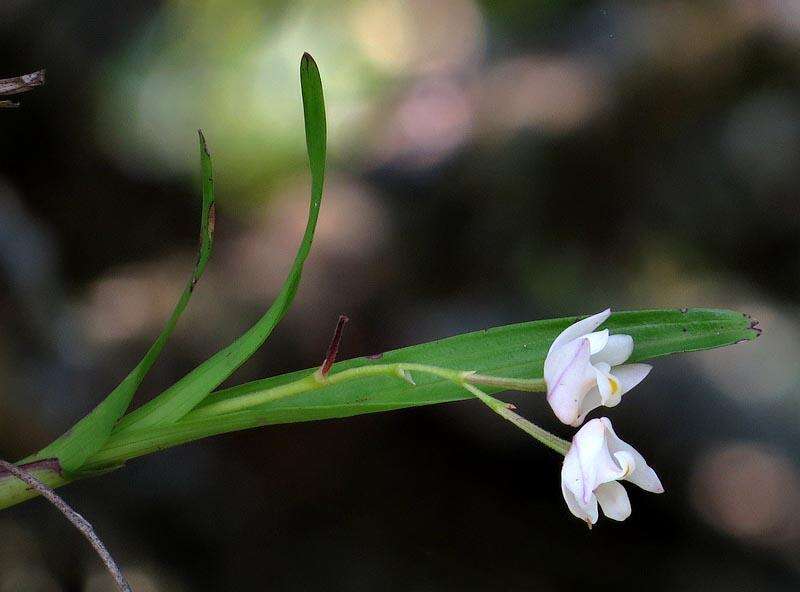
(572, 488)
(629, 375)
(614, 500)
(597, 466)
(597, 340)
(591, 401)
(569, 376)
(618, 349)
(574, 506)
(571, 475)
(605, 385)
(642, 475)
(580, 329)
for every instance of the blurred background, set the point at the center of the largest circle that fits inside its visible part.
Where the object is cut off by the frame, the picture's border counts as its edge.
(489, 163)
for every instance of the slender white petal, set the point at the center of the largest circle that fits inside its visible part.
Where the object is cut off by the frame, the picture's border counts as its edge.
(580, 328)
(629, 375)
(642, 475)
(618, 348)
(614, 500)
(569, 376)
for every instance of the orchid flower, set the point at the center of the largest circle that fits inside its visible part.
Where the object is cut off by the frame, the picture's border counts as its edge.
(593, 466)
(584, 369)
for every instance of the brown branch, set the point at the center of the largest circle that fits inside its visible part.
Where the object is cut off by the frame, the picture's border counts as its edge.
(77, 520)
(19, 84)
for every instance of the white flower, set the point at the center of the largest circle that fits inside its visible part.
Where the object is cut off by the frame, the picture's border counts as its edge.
(578, 369)
(593, 465)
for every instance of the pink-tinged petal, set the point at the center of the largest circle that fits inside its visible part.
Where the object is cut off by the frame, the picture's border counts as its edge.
(572, 483)
(596, 463)
(581, 328)
(614, 500)
(572, 488)
(569, 376)
(630, 375)
(642, 475)
(618, 349)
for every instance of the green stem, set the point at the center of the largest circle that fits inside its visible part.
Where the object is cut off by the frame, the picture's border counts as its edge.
(401, 370)
(530, 385)
(550, 440)
(317, 381)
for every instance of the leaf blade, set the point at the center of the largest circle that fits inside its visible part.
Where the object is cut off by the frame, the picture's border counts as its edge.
(515, 351)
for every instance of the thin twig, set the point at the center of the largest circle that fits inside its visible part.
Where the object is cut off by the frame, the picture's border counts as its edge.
(21, 84)
(79, 521)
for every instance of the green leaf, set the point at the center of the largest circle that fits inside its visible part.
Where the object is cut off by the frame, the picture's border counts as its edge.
(184, 395)
(88, 435)
(515, 351)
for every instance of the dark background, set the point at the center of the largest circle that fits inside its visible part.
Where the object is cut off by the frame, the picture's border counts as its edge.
(489, 163)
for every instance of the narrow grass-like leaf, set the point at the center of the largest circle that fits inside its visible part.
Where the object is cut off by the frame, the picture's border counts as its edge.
(88, 435)
(184, 395)
(516, 351)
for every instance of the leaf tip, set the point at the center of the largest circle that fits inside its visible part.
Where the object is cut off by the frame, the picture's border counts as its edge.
(203, 143)
(754, 325)
(308, 66)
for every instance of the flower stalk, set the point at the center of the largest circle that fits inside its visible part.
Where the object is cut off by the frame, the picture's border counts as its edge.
(505, 411)
(318, 380)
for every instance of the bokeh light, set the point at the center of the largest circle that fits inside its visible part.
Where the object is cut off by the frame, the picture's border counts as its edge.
(750, 491)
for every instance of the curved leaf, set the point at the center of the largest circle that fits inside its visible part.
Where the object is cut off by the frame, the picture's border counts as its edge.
(88, 435)
(185, 394)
